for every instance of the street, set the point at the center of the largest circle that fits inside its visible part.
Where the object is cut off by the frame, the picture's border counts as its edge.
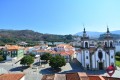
(34, 74)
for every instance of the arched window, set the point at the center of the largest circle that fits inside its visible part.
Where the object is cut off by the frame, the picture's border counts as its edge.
(105, 44)
(86, 44)
(111, 45)
(100, 55)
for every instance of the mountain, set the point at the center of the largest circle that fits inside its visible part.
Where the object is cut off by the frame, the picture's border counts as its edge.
(29, 36)
(90, 34)
(94, 34)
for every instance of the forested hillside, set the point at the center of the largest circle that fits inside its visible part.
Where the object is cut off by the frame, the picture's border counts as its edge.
(14, 36)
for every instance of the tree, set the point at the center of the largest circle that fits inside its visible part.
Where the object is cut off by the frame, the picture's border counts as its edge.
(1, 58)
(27, 60)
(117, 53)
(32, 55)
(57, 62)
(46, 56)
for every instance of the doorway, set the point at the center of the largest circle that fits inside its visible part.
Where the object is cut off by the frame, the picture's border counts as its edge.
(100, 65)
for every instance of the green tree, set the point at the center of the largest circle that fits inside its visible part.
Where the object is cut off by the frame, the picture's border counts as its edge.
(27, 60)
(32, 55)
(117, 53)
(46, 56)
(1, 58)
(57, 62)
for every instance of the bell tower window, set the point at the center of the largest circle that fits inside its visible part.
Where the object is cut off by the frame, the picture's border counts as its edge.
(86, 44)
(105, 44)
(111, 45)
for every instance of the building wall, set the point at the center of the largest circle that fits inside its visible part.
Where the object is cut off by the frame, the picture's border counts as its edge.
(82, 58)
(112, 57)
(107, 59)
(87, 58)
(10, 54)
(20, 53)
(97, 58)
(79, 57)
(93, 61)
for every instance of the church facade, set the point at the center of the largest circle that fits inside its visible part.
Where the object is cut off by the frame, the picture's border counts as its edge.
(96, 57)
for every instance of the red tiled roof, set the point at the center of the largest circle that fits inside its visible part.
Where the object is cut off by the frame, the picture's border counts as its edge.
(111, 78)
(11, 76)
(48, 77)
(70, 52)
(72, 76)
(83, 76)
(13, 47)
(77, 76)
(94, 78)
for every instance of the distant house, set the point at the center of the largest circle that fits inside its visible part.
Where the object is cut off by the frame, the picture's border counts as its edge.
(12, 76)
(57, 43)
(22, 43)
(66, 50)
(13, 52)
(75, 43)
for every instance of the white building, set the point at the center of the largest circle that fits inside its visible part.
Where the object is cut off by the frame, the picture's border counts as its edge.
(98, 57)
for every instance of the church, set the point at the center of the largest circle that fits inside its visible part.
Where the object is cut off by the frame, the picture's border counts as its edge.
(96, 57)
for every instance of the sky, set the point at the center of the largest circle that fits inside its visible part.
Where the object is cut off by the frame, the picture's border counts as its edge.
(60, 16)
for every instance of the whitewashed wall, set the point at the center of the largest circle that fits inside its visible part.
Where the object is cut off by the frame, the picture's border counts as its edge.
(87, 61)
(112, 60)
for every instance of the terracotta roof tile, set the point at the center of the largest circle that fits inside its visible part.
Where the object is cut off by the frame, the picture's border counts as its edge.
(111, 78)
(48, 77)
(11, 76)
(72, 76)
(13, 47)
(60, 77)
(94, 78)
(70, 52)
(83, 76)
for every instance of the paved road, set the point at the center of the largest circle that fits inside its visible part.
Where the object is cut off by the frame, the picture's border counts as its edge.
(33, 74)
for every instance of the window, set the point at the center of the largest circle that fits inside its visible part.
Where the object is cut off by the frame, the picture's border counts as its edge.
(100, 55)
(105, 44)
(111, 56)
(111, 44)
(86, 44)
(86, 57)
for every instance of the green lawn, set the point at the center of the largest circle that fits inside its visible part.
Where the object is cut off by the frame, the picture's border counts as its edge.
(117, 60)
